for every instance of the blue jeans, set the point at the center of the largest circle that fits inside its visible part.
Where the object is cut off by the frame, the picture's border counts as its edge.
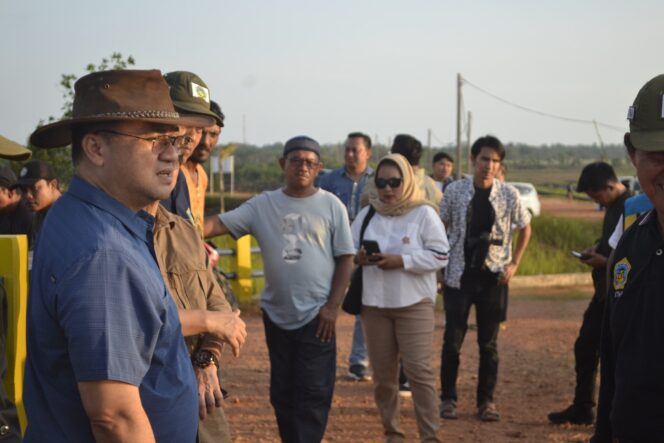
(302, 374)
(358, 350)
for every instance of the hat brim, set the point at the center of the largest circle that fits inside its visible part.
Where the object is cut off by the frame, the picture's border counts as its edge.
(652, 141)
(189, 110)
(25, 182)
(13, 151)
(58, 134)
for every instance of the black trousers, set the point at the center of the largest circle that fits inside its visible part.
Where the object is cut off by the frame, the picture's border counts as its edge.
(302, 375)
(488, 308)
(586, 352)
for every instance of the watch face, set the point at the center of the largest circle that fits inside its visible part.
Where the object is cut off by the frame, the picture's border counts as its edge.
(203, 359)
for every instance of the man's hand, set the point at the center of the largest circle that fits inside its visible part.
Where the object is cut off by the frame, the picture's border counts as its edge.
(229, 327)
(594, 259)
(508, 271)
(388, 261)
(209, 391)
(327, 322)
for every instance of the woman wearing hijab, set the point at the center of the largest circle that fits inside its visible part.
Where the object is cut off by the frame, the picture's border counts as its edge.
(399, 288)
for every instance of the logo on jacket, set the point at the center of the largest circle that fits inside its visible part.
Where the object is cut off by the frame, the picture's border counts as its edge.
(620, 273)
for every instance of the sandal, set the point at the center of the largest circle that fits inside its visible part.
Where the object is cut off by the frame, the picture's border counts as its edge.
(488, 412)
(448, 409)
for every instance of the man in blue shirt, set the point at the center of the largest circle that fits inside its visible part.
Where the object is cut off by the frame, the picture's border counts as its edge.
(106, 359)
(347, 183)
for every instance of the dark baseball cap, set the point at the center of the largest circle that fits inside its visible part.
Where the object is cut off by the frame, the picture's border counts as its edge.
(646, 116)
(214, 107)
(190, 94)
(7, 178)
(301, 143)
(34, 171)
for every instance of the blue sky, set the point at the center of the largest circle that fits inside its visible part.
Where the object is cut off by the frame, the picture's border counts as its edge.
(325, 68)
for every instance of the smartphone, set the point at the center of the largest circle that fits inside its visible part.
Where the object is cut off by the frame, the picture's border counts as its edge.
(579, 255)
(371, 246)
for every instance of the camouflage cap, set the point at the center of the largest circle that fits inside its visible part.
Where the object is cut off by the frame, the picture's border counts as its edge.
(646, 116)
(190, 94)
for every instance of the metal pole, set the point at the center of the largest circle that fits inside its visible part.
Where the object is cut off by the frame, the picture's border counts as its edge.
(470, 166)
(429, 138)
(458, 140)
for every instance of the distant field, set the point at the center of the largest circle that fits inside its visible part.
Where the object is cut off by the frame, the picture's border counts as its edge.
(555, 177)
(552, 240)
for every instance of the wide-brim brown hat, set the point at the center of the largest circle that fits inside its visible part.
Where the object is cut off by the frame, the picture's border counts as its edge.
(122, 95)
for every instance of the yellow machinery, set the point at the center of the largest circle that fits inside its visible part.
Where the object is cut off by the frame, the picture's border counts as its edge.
(14, 273)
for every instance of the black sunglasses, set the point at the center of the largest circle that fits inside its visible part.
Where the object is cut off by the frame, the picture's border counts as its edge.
(382, 183)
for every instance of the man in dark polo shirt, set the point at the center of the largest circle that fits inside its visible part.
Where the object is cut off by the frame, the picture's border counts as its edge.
(15, 215)
(599, 182)
(630, 399)
(106, 359)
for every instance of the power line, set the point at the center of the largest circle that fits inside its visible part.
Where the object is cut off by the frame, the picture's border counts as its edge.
(545, 114)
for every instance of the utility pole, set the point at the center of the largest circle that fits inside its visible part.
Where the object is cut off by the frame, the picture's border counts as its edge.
(244, 129)
(429, 138)
(468, 143)
(458, 140)
(601, 142)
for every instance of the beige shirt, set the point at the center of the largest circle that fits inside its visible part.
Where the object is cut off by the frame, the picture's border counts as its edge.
(184, 266)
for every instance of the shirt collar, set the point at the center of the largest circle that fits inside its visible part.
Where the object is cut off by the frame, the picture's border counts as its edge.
(366, 172)
(134, 222)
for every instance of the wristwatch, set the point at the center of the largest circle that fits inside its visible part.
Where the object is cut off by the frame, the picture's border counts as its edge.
(203, 359)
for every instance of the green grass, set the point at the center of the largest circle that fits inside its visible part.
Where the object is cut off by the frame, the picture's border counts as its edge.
(551, 242)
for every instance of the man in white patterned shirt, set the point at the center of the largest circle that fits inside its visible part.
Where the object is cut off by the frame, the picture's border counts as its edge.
(478, 214)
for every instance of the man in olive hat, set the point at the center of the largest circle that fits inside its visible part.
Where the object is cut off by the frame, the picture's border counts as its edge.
(106, 360)
(190, 96)
(630, 407)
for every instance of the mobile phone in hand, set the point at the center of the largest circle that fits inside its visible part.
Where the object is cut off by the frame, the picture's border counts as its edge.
(579, 255)
(371, 247)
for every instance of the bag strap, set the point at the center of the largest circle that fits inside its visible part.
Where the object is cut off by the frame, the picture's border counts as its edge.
(366, 221)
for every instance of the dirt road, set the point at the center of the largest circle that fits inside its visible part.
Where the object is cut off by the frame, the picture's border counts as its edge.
(536, 376)
(571, 208)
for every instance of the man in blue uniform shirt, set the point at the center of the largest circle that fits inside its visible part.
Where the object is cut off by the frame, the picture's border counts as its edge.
(630, 400)
(106, 359)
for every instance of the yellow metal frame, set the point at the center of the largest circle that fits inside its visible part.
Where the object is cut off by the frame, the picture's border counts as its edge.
(14, 271)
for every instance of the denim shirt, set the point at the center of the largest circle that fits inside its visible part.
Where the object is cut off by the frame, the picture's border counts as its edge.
(98, 310)
(339, 183)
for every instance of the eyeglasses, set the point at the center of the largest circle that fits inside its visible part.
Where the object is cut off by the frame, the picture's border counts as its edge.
(298, 162)
(382, 183)
(160, 144)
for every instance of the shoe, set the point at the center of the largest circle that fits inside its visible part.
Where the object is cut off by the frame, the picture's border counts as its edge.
(404, 390)
(575, 414)
(488, 412)
(358, 372)
(448, 410)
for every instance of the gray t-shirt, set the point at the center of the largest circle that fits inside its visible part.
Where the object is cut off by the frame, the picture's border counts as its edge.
(299, 238)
